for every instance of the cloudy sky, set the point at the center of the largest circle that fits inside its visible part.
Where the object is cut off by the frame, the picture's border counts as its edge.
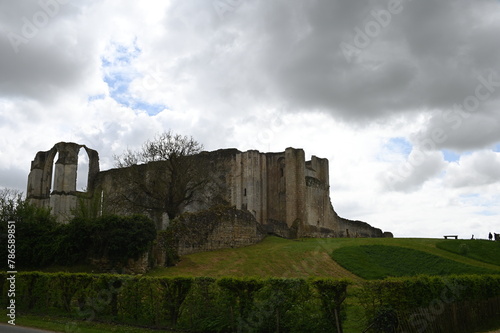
(402, 97)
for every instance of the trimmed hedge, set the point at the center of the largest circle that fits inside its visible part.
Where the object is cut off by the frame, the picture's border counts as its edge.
(193, 304)
(420, 304)
(433, 304)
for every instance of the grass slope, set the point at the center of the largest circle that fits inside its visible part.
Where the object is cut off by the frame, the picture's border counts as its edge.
(277, 257)
(273, 257)
(482, 250)
(381, 261)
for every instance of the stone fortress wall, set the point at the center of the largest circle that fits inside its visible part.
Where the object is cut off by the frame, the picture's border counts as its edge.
(286, 195)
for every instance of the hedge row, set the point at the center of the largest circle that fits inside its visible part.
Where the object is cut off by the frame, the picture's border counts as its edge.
(420, 304)
(432, 304)
(194, 304)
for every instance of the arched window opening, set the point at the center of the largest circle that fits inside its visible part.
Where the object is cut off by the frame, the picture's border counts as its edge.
(53, 173)
(82, 171)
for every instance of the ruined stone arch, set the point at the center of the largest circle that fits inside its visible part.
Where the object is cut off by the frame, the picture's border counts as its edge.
(83, 176)
(55, 187)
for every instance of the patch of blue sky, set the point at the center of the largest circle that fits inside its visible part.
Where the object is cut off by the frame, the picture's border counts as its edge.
(119, 74)
(497, 148)
(482, 202)
(486, 213)
(96, 97)
(151, 109)
(469, 195)
(450, 155)
(400, 145)
(124, 55)
(105, 62)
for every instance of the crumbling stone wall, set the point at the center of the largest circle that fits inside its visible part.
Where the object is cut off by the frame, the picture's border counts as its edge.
(217, 228)
(355, 229)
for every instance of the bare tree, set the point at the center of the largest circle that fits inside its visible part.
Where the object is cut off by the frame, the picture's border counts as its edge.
(10, 199)
(170, 183)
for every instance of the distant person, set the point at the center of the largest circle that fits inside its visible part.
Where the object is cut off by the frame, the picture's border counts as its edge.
(472, 237)
(490, 236)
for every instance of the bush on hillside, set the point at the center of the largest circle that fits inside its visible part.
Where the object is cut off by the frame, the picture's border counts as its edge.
(40, 241)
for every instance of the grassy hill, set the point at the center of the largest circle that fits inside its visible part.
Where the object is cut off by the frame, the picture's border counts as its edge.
(481, 250)
(381, 261)
(277, 257)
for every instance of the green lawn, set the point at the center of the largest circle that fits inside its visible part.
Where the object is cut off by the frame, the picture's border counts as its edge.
(381, 261)
(482, 250)
(278, 257)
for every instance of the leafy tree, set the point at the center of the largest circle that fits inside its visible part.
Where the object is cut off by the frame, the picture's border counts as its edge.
(36, 230)
(41, 241)
(170, 184)
(10, 200)
(121, 237)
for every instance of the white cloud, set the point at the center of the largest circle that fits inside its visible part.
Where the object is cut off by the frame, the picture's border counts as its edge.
(267, 76)
(475, 170)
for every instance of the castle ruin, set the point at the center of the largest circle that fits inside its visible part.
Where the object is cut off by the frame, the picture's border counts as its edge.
(54, 185)
(286, 195)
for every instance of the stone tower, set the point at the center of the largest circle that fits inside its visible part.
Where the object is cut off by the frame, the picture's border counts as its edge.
(283, 188)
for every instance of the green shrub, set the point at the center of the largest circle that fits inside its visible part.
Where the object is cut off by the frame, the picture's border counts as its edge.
(175, 291)
(332, 294)
(240, 296)
(42, 242)
(121, 237)
(205, 308)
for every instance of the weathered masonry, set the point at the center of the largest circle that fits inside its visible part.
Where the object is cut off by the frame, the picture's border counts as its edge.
(286, 194)
(54, 186)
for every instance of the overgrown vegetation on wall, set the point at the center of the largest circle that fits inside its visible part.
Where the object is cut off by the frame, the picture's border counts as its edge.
(41, 241)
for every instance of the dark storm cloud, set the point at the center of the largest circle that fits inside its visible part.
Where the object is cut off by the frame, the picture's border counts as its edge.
(41, 54)
(424, 56)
